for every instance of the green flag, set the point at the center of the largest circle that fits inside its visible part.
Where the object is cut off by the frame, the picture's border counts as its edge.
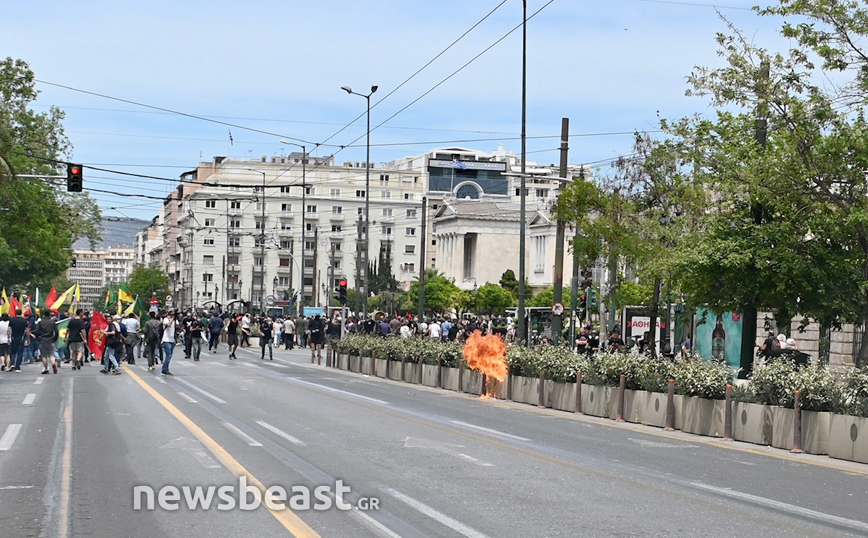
(62, 334)
(111, 298)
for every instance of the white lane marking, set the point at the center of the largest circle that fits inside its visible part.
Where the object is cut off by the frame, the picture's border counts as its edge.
(189, 399)
(330, 389)
(453, 524)
(29, 399)
(777, 505)
(16, 487)
(445, 448)
(243, 436)
(202, 391)
(274, 364)
(161, 380)
(39, 380)
(488, 430)
(220, 364)
(279, 432)
(9, 437)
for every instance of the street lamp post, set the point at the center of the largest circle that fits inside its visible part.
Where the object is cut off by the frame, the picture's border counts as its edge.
(261, 243)
(522, 217)
(367, 190)
(303, 211)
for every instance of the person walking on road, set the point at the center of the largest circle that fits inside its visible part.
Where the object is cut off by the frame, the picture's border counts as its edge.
(168, 341)
(245, 330)
(46, 332)
(232, 335)
(132, 339)
(5, 337)
(153, 335)
(113, 342)
(195, 330)
(288, 333)
(265, 332)
(215, 327)
(316, 327)
(76, 336)
(20, 333)
(301, 330)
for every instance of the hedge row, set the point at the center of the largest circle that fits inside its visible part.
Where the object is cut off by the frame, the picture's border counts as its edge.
(772, 382)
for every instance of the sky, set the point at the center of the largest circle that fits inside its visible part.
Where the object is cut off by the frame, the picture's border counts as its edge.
(275, 70)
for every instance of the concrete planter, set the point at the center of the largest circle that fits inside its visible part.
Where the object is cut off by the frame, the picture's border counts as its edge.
(752, 423)
(677, 402)
(429, 375)
(848, 438)
(561, 396)
(472, 382)
(525, 389)
(595, 400)
(366, 366)
(816, 428)
(651, 408)
(380, 367)
(450, 378)
(782, 427)
(411, 372)
(496, 389)
(355, 363)
(395, 370)
(701, 416)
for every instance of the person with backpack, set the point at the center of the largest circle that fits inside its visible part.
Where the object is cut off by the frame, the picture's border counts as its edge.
(153, 335)
(215, 327)
(46, 333)
(113, 343)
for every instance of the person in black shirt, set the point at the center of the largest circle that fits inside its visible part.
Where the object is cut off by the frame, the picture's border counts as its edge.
(20, 330)
(195, 331)
(77, 338)
(265, 333)
(232, 333)
(317, 329)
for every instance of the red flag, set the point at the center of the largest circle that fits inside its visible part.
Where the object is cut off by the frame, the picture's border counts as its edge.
(14, 306)
(96, 338)
(52, 297)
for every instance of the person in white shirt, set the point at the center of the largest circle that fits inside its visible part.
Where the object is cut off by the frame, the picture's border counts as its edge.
(245, 330)
(5, 340)
(132, 325)
(288, 333)
(434, 330)
(168, 341)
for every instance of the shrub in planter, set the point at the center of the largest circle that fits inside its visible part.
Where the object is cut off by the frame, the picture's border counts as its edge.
(819, 391)
(775, 383)
(610, 367)
(522, 361)
(560, 363)
(771, 381)
(704, 379)
(853, 393)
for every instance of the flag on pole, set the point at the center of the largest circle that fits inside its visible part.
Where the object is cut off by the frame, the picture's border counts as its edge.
(124, 294)
(458, 164)
(62, 334)
(96, 339)
(55, 306)
(52, 296)
(76, 297)
(4, 302)
(14, 306)
(111, 298)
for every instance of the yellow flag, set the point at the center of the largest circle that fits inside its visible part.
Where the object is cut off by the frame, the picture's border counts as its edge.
(4, 308)
(62, 299)
(130, 308)
(76, 297)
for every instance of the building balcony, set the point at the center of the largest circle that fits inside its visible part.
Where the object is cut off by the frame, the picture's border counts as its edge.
(235, 231)
(336, 235)
(233, 268)
(284, 269)
(308, 252)
(286, 215)
(235, 212)
(284, 233)
(258, 213)
(258, 269)
(336, 217)
(386, 238)
(233, 248)
(390, 219)
(311, 216)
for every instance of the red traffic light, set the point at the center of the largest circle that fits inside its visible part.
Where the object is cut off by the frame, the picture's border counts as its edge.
(343, 282)
(75, 170)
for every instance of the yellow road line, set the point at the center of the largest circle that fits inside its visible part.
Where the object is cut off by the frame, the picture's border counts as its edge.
(286, 517)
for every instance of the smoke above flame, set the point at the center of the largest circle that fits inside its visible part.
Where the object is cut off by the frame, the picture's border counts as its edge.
(486, 354)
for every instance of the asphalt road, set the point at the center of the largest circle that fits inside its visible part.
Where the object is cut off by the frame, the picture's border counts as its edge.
(73, 447)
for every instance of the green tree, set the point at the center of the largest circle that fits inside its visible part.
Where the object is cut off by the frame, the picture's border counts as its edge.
(493, 299)
(39, 219)
(147, 282)
(440, 292)
(509, 282)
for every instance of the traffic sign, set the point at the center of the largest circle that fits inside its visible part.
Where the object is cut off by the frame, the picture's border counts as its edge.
(269, 300)
(168, 298)
(558, 309)
(155, 301)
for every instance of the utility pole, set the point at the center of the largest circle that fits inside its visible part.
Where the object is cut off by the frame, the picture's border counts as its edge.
(522, 329)
(359, 243)
(558, 319)
(331, 276)
(421, 309)
(313, 274)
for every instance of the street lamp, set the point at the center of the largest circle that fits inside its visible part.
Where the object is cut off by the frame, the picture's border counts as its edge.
(261, 243)
(303, 211)
(367, 189)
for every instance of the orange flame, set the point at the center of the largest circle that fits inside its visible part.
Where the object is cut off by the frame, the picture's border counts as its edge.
(486, 354)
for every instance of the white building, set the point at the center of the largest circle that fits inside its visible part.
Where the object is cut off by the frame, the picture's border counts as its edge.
(95, 269)
(224, 241)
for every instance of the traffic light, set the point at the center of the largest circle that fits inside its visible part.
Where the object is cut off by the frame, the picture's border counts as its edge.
(73, 263)
(584, 301)
(74, 179)
(342, 291)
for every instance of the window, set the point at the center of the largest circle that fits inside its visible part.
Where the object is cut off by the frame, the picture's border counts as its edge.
(286, 208)
(258, 242)
(408, 196)
(235, 223)
(542, 193)
(409, 267)
(260, 224)
(335, 192)
(336, 227)
(209, 223)
(411, 213)
(257, 261)
(336, 245)
(337, 210)
(283, 281)
(359, 210)
(309, 245)
(286, 245)
(208, 259)
(234, 241)
(387, 212)
(309, 226)
(209, 241)
(411, 231)
(384, 178)
(232, 260)
(311, 208)
(409, 249)
(435, 206)
(385, 194)
(234, 204)
(387, 230)
(433, 242)
(210, 204)
(337, 264)
(309, 190)
(207, 277)
(284, 262)
(257, 189)
(360, 194)
(284, 189)
(260, 206)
